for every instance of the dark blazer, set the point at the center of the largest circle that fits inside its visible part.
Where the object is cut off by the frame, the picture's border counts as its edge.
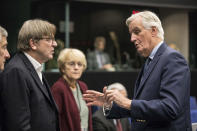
(100, 123)
(161, 99)
(92, 60)
(27, 104)
(69, 114)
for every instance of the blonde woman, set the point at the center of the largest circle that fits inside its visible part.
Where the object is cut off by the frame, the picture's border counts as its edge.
(68, 90)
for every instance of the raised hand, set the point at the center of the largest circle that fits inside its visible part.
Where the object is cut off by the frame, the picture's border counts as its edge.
(94, 98)
(117, 97)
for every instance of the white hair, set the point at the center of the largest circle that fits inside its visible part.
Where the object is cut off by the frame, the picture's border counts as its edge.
(117, 86)
(3, 33)
(149, 20)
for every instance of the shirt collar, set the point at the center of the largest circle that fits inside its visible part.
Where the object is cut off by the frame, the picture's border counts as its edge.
(151, 56)
(38, 67)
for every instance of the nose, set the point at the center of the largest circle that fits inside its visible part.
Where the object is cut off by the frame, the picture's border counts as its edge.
(7, 54)
(54, 43)
(76, 66)
(133, 37)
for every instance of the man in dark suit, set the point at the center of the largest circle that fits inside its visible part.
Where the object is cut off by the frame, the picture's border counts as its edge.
(100, 123)
(27, 101)
(4, 54)
(98, 59)
(162, 89)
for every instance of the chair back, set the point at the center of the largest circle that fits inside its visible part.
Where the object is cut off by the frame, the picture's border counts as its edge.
(193, 102)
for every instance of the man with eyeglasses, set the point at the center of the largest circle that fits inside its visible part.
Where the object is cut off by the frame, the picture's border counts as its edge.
(27, 100)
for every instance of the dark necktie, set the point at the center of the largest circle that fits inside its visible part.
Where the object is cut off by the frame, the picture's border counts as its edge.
(118, 125)
(146, 65)
(148, 60)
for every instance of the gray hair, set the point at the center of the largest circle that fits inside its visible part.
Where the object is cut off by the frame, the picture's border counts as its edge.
(3, 33)
(117, 86)
(149, 19)
(34, 29)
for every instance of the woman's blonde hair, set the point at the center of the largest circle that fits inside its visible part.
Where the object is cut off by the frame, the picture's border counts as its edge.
(71, 54)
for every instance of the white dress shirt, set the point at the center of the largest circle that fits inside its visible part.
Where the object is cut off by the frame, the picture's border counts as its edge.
(37, 66)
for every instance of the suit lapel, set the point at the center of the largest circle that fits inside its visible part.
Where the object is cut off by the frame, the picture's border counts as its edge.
(34, 75)
(49, 92)
(139, 83)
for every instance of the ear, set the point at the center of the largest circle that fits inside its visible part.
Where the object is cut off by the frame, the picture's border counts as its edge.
(32, 44)
(154, 31)
(63, 70)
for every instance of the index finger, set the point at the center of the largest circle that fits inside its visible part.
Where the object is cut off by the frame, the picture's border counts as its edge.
(104, 89)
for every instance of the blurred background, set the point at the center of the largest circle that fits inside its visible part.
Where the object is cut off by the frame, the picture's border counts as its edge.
(78, 22)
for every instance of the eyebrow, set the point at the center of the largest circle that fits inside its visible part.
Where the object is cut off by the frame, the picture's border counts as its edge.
(136, 28)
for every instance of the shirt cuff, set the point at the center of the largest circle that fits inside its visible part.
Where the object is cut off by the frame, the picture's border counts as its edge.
(107, 108)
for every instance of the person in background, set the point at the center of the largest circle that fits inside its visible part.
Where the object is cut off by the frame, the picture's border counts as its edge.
(98, 59)
(51, 65)
(4, 54)
(26, 98)
(100, 123)
(161, 99)
(74, 114)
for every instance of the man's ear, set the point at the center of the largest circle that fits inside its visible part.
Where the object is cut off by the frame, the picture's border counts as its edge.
(32, 44)
(154, 31)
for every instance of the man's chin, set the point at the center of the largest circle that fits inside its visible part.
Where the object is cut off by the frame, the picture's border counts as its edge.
(50, 57)
(140, 52)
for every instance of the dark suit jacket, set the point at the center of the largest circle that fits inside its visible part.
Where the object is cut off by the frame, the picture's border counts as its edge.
(92, 60)
(100, 123)
(161, 99)
(28, 106)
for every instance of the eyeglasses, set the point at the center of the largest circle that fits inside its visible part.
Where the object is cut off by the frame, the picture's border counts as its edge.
(50, 40)
(73, 64)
